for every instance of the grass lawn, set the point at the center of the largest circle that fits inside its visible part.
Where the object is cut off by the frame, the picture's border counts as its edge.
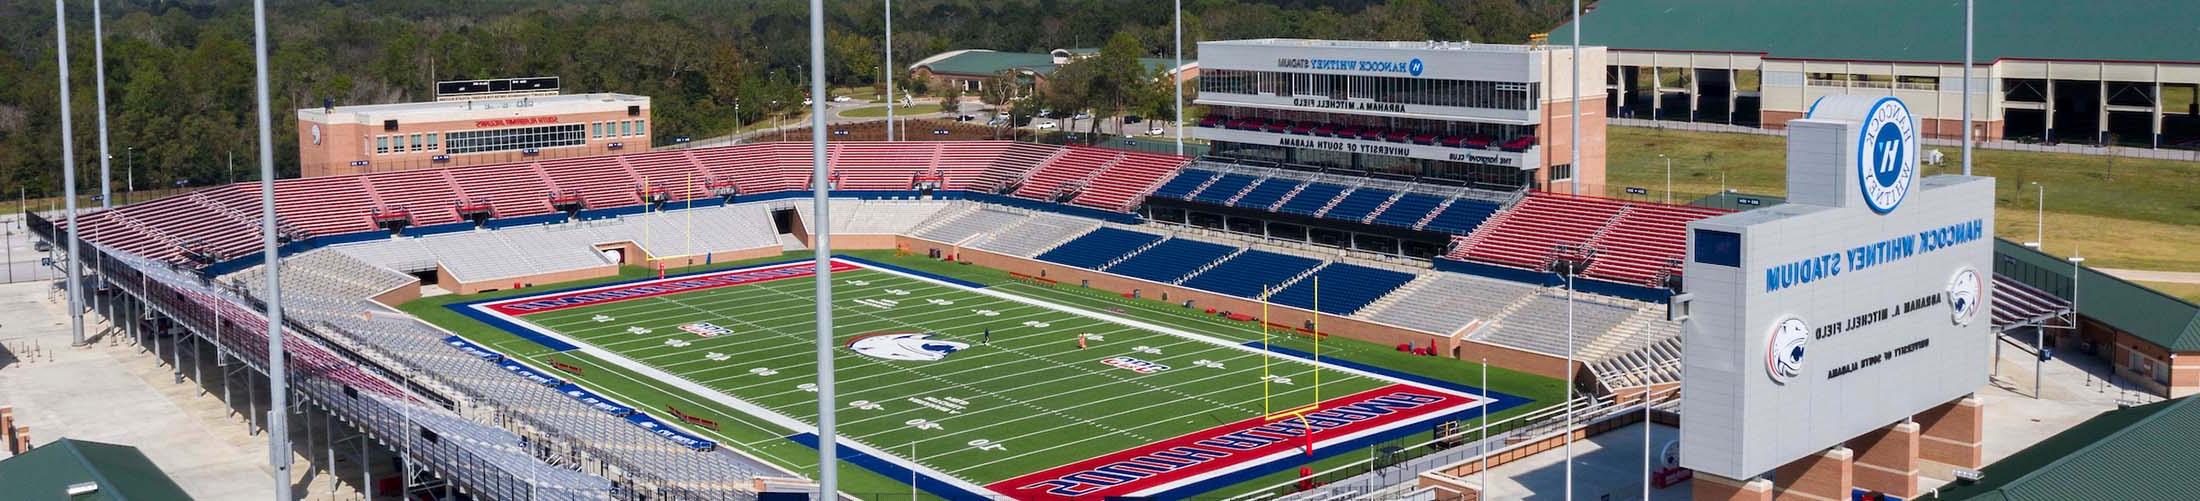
(2191, 292)
(2122, 212)
(879, 111)
(1024, 368)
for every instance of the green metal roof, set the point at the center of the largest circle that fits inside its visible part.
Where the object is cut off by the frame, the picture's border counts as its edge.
(2162, 319)
(2142, 452)
(120, 471)
(1899, 30)
(986, 62)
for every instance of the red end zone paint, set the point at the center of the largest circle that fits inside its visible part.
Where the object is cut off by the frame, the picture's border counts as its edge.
(638, 290)
(1226, 447)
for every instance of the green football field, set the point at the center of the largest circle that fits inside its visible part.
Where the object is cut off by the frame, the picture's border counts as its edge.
(1025, 398)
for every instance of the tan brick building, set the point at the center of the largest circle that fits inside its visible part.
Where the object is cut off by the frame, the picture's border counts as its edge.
(404, 136)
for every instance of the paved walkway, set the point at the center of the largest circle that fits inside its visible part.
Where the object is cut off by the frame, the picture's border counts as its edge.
(2180, 277)
(112, 392)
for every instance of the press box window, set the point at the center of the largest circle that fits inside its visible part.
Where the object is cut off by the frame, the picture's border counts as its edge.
(416, 144)
(1719, 248)
(1563, 172)
(381, 144)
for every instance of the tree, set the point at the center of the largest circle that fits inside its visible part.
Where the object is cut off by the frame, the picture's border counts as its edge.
(950, 101)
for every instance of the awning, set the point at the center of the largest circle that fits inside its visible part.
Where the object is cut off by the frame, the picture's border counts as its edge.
(2019, 305)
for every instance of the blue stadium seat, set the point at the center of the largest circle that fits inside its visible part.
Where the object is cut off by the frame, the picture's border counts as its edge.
(1224, 188)
(1311, 199)
(1249, 272)
(1171, 260)
(1181, 186)
(1099, 247)
(1356, 205)
(1265, 194)
(1409, 209)
(1462, 217)
(1345, 288)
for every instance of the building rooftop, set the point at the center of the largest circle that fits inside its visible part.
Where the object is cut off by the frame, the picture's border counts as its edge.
(119, 472)
(989, 62)
(2159, 318)
(1875, 30)
(1433, 45)
(535, 105)
(2142, 452)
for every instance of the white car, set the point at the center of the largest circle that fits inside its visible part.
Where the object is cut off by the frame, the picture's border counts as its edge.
(842, 99)
(1082, 116)
(1155, 131)
(805, 102)
(1046, 125)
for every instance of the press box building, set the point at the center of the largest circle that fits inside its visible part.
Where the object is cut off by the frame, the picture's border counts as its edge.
(476, 122)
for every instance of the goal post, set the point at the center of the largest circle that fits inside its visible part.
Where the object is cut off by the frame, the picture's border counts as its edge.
(1271, 408)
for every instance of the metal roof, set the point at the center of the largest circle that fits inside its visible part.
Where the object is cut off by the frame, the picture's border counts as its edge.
(987, 62)
(2162, 319)
(1890, 30)
(120, 472)
(2142, 452)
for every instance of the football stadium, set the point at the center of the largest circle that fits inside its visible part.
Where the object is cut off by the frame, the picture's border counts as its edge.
(1388, 270)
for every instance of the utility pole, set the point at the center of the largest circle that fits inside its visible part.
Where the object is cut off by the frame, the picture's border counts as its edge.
(1967, 87)
(278, 382)
(1573, 182)
(890, 101)
(1178, 76)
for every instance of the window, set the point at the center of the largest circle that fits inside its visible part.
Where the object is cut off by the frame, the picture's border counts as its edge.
(381, 144)
(432, 144)
(1562, 172)
(626, 128)
(595, 130)
(416, 144)
(549, 136)
(641, 127)
(1719, 248)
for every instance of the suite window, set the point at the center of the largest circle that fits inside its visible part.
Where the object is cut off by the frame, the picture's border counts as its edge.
(432, 143)
(416, 144)
(1562, 172)
(641, 127)
(381, 144)
(549, 136)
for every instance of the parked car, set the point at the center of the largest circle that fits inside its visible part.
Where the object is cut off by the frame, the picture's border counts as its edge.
(1047, 124)
(1131, 119)
(842, 99)
(996, 122)
(965, 118)
(1155, 131)
(1082, 116)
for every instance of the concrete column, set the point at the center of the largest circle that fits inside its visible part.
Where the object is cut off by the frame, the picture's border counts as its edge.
(1695, 91)
(2156, 121)
(2101, 118)
(1952, 432)
(1825, 476)
(1734, 88)
(1886, 460)
(1657, 88)
(1708, 487)
(2047, 128)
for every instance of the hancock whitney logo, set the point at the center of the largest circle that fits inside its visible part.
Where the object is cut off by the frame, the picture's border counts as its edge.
(1966, 293)
(1414, 67)
(1886, 155)
(1784, 352)
(911, 346)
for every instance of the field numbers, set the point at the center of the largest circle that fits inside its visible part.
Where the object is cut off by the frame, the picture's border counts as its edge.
(865, 405)
(922, 424)
(878, 303)
(1207, 363)
(601, 318)
(760, 371)
(1097, 337)
(1149, 350)
(716, 357)
(986, 313)
(858, 283)
(1036, 324)
(676, 343)
(809, 387)
(637, 330)
(1278, 379)
(986, 445)
(940, 302)
(897, 292)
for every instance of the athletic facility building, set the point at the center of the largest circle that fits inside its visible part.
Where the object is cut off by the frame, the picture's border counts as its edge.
(970, 70)
(470, 123)
(2120, 72)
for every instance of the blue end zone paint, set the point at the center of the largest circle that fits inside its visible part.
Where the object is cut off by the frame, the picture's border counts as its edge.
(934, 276)
(466, 308)
(890, 470)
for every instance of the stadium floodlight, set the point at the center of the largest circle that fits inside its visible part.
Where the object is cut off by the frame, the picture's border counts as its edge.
(99, 89)
(1573, 181)
(1967, 87)
(828, 464)
(278, 396)
(74, 278)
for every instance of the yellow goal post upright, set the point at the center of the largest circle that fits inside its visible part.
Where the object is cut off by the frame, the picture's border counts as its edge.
(1269, 409)
(687, 223)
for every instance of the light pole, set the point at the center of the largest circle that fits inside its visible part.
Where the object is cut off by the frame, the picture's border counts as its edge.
(889, 70)
(278, 395)
(1668, 178)
(828, 462)
(68, 176)
(1178, 76)
(99, 76)
(2076, 269)
(1573, 183)
(2039, 227)
(129, 172)
(1568, 429)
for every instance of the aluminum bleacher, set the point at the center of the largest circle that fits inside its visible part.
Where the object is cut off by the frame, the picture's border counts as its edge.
(1626, 242)
(1099, 248)
(510, 192)
(1171, 260)
(603, 182)
(1055, 178)
(1037, 234)
(1345, 288)
(1251, 272)
(1443, 302)
(970, 224)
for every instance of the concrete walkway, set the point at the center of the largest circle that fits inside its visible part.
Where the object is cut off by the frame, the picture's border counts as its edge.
(110, 391)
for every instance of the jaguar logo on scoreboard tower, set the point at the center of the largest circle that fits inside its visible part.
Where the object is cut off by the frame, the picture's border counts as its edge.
(1851, 306)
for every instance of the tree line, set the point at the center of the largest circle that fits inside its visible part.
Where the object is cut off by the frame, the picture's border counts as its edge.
(179, 72)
